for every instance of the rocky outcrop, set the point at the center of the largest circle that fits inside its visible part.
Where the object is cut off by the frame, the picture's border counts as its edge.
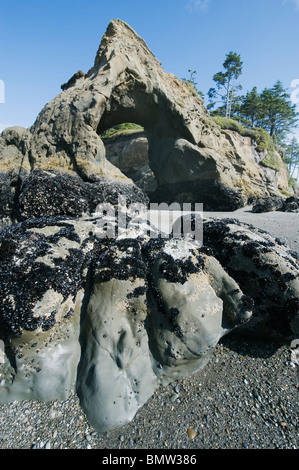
(54, 186)
(269, 204)
(226, 153)
(111, 319)
(93, 298)
(191, 158)
(265, 269)
(129, 153)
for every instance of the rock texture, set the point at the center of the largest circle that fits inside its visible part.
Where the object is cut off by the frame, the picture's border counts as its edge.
(94, 299)
(265, 269)
(268, 204)
(110, 319)
(129, 153)
(113, 319)
(190, 156)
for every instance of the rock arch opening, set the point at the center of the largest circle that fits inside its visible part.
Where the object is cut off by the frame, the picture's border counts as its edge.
(161, 128)
(127, 146)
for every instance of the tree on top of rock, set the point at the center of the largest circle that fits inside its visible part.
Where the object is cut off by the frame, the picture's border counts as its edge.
(192, 83)
(252, 107)
(291, 156)
(279, 115)
(226, 83)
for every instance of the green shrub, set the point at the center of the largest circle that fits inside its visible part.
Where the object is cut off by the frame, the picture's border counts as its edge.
(229, 124)
(121, 129)
(190, 87)
(264, 142)
(271, 160)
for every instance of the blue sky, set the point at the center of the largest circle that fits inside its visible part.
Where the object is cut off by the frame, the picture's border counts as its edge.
(43, 43)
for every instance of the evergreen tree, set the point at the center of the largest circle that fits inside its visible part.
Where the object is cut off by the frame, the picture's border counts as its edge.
(291, 156)
(278, 115)
(251, 107)
(226, 83)
(192, 81)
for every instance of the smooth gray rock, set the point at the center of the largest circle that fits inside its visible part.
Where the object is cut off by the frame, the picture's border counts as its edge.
(142, 330)
(111, 319)
(115, 376)
(193, 303)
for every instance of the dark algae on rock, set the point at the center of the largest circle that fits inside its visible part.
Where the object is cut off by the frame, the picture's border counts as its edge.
(27, 273)
(265, 269)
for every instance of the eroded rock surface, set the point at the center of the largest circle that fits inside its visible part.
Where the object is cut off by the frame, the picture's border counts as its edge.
(265, 269)
(129, 153)
(191, 158)
(112, 319)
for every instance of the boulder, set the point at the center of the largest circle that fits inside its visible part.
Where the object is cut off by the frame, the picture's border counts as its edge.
(268, 204)
(109, 319)
(44, 268)
(291, 204)
(266, 270)
(49, 193)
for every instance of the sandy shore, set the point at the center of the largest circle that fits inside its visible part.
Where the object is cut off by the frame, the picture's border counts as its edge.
(283, 225)
(245, 398)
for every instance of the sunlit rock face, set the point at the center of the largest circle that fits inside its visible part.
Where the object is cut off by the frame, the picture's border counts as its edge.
(189, 158)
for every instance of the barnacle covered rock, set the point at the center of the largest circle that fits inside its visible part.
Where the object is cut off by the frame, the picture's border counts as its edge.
(112, 319)
(265, 269)
(44, 267)
(147, 324)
